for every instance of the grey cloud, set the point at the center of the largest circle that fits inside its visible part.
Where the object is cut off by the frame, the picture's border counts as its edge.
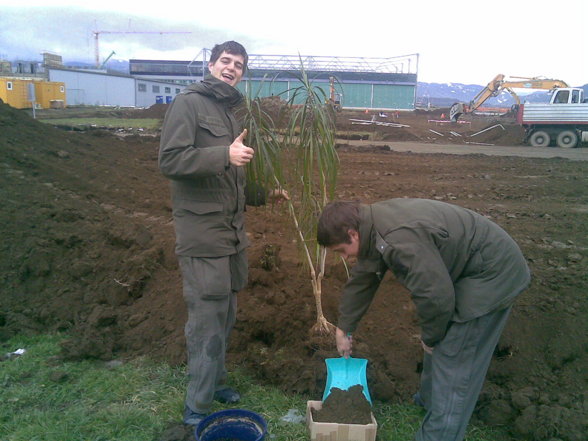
(26, 32)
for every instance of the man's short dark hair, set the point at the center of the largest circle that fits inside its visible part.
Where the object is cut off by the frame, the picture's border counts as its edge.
(335, 222)
(230, 47)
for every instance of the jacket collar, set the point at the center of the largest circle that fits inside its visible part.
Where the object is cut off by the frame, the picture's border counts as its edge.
(367, 238)
(223, 92)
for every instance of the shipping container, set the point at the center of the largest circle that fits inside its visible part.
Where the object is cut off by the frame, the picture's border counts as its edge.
(50, 95)
(15, 92)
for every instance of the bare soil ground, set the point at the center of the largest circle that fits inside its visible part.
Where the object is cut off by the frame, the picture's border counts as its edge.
(88, 248)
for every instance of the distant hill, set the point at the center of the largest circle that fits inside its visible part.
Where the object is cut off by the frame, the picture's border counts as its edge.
(446, 94)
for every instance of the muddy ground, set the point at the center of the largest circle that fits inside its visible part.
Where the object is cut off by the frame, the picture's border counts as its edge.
(88, 248)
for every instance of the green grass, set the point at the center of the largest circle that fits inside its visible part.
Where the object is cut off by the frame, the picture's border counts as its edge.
(45, 399)
(114, 123)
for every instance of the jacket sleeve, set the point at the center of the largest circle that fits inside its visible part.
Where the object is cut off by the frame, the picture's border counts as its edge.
(255, 194)
(417, 264)
(358, 293)
(178, 156)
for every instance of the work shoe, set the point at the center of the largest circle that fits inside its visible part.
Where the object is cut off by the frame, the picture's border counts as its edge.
(193, 418)
(227, 396)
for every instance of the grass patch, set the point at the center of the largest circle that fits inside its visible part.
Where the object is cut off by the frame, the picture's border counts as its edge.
(110, 123)
(46, 399)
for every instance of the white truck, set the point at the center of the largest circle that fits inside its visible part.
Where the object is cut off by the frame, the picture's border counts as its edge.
(563, 122)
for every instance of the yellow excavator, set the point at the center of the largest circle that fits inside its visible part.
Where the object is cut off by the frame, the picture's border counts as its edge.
(498, 85)
(334, 97)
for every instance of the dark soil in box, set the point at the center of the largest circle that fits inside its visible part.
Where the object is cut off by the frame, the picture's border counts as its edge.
(344, 407)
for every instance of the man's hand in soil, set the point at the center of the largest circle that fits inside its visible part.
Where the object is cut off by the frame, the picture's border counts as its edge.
(344, 343)
(239, 153)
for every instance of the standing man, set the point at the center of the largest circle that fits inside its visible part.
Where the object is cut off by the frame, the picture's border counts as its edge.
(464, 273)
(202, 152)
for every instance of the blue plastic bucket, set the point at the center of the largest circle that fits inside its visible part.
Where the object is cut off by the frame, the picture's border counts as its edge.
(231, 425)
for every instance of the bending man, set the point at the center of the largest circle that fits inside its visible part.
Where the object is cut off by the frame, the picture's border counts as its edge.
(464, 273)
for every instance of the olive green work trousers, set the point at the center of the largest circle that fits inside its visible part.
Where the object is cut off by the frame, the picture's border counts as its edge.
(210, 287)
(453, 375)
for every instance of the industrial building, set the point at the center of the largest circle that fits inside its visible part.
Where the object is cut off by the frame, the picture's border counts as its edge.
(360, 82)
(93, 88)
(89, 87)
(355, 82)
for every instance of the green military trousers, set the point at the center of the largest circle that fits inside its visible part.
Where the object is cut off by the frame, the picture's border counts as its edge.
(210, 287)
(454, 373)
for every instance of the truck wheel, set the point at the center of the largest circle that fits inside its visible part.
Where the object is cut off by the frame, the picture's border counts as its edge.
(540, 138)
(567, 139)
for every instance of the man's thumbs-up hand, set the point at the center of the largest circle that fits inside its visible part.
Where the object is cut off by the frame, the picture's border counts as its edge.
(239, 153)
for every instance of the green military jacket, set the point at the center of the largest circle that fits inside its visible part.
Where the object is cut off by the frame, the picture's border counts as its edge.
(457, 264)
(207, 191)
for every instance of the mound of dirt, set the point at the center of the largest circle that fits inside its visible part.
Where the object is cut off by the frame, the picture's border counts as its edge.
(88, 248)
(156, 111)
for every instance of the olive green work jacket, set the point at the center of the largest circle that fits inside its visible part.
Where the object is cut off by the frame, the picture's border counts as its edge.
(457, 264)
(207, 190)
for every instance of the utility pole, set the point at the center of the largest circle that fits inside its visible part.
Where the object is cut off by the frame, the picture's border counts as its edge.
(97, 36)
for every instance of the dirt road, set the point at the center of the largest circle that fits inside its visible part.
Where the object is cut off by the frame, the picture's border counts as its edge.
(579, 154)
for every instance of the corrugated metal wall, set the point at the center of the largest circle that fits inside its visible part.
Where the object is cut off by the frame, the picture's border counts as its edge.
(264, 88)
(95, 89)
(362, 83)
(99, 89)
(401, 96)
(353, 95)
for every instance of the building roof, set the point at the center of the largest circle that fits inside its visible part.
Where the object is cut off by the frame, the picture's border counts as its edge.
(317, 63)
(401, 69)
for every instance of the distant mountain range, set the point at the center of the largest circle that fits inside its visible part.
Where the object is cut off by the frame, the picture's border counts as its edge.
(428, 94)
(446, 94)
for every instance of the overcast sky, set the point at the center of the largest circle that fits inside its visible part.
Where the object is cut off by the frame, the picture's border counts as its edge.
(460, 41)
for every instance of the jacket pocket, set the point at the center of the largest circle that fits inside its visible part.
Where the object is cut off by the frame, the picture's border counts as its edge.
(214, 126)
(208, 278)
(197, 207)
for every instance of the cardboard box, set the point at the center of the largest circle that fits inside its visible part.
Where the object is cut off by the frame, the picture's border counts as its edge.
(338, 432)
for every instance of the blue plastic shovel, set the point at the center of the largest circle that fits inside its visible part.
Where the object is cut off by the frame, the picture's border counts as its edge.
(344, 372)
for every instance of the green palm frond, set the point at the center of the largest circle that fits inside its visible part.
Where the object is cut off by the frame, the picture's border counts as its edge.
(310, 136)
(266, 167)
(307, 145)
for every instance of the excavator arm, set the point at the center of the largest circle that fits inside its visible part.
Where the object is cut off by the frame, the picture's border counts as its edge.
(493, 88)
(334, 97)
(499, 85)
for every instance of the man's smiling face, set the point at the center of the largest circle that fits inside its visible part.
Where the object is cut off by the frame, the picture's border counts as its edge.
(228, 68)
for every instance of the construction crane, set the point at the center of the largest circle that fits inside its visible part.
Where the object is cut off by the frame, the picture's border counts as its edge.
(103, 65)
(97, 36)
